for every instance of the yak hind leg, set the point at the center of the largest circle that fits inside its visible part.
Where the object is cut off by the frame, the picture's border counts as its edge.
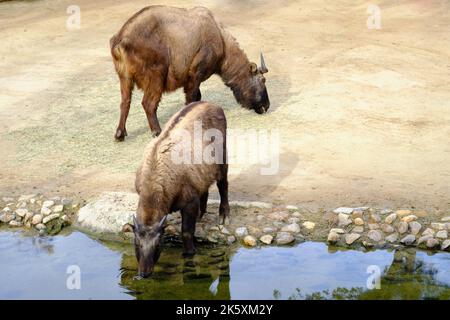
(189, 216)
(150, 105)
(203, 204)
(222, 185)
(126, 88)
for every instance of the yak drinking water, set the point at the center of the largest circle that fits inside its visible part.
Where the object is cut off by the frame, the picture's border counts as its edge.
(160, 49)
(177, 170)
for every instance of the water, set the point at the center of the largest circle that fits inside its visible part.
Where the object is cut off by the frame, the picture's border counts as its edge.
(34, 267)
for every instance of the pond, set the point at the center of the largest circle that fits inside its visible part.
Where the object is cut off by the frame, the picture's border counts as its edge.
(34, 267)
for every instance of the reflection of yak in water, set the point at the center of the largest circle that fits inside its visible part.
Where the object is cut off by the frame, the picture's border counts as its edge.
(407, 278)
(202, 277)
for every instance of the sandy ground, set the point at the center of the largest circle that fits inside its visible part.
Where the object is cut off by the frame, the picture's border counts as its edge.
(363, 115)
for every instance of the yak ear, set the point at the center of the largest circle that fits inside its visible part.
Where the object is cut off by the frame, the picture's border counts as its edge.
(253, 67)
(161, 223)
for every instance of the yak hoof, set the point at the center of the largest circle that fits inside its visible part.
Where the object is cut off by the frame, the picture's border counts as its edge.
(120, 135)
(224, 221)
(155, 133)
(189, 254)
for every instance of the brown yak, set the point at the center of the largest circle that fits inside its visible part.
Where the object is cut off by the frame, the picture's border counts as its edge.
(161, 49)
(165, 184)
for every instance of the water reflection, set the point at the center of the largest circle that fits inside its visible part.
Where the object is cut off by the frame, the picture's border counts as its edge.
(35, 268)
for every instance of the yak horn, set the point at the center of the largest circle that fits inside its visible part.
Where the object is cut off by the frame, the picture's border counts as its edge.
(263, 67)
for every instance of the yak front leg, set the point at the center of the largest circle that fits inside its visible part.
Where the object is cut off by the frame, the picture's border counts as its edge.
(203, 204)
(222, 185)
(150, 105)
(189, 216)
(126, 87)
(192, 91)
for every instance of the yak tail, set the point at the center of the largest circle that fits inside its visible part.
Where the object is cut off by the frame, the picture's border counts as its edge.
(119, 54)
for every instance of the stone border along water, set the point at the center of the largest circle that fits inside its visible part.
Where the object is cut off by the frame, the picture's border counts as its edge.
(252, 223)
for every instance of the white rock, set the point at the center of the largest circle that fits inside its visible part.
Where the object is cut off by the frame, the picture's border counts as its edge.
(48, 203)
(266, 239)
(293, 227)
(108, 213)
(231, 239)
(293, 220)
(344, 220)
(392, 238)
(49, 218)
(269, 230)
(37, 218)
(438, 226)
(387, 228)
(415, 227)
(45, 211)
(445, 245)
(284, 238)
(15, 224)
(390, 218)
(428, 232)
(386, 211)
(442, 234)
(296, 214)
(408, 240)
(241, 232)
(409, 218)
(351, 237)
(333, 237)
(446, 219)
(308, 225)
(21, 212)
(374, 235)
(344, 210)
(40, 226)
(58, 208)
(423, 239)
(337, 230)
(402, 227)
(358, 229)
(358, 221)
(431, 243)
(26, 197)
(289, 207)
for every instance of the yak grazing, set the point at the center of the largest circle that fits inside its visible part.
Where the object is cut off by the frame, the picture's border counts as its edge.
(160, 49)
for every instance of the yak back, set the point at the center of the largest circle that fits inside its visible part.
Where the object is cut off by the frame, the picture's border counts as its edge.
(159, 175)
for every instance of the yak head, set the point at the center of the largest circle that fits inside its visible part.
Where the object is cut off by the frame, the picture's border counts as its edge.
(147, 245)
(251, 92)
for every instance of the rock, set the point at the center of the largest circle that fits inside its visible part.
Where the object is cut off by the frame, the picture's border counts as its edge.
(446, 219)
(408, 240)
(45, 211)
(445, 245)
(374, 218)
(256, 232)
(66, 202)
(293, 227)
(37, 218)
(224, 230)
(387, 228)
(386, 211)
(392, 238)
(308, 225)
(438, 226)
(15, 224)
(250, 241)
(357, 214)
(358, 229)
(409, 218)
(402, 227)
(28, 216)
(293, 220)
(7, 209)
(231, 239)
(21, 212)
(374, 226)
(351, 237)
(390, 218)
(428, 232)
(279, 216)
(170, 230)
(7, 217)
(214, 228)
(442, 234)
(402, 213)
(260, 217)
(423, 239)
(40, 226)
(266, 239)
(296, 214)
(241, 232)
(48, 204)
(49, 218)
(344, 220)
(367, 244)
(374, 235)
(358, 222)
(415, 227)
(269, 230)
(278, 224)
(108, 213)
(291, 207)
(26, 198)
(58, 208)
(344, 210)
(337, 230)
(333, 237)
(213, 237)
(8, 199)
(283, 238)
(431, 243)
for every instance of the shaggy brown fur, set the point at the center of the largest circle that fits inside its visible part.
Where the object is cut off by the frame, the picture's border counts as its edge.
(165, 187)
(161, 49)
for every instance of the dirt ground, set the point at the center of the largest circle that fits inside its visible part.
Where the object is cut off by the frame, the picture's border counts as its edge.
(363, 114)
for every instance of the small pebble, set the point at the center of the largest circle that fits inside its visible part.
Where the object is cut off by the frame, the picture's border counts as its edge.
(250, 241)
(266, 239)
(351, 237)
